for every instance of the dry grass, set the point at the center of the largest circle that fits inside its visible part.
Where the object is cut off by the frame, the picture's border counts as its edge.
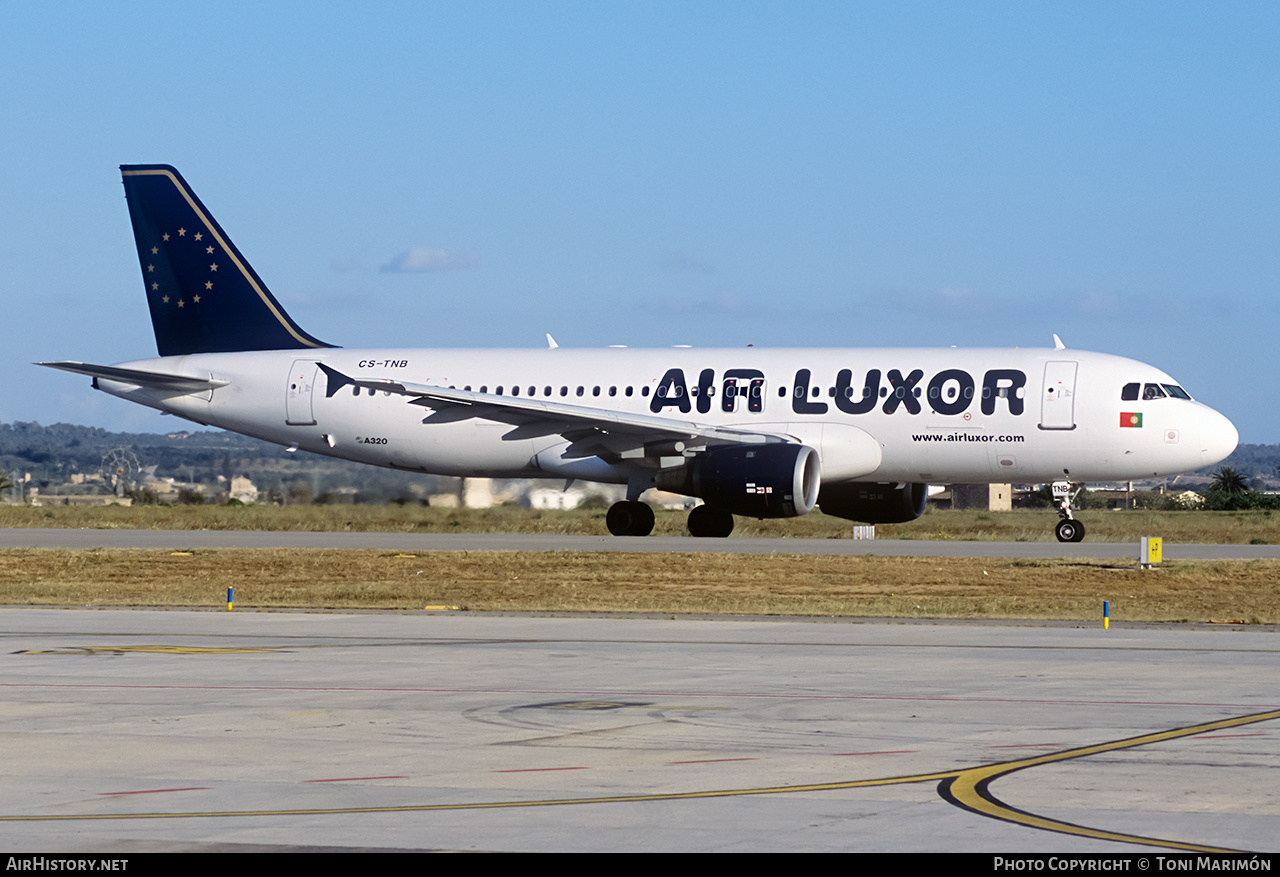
(1017, 526)
(782, 584)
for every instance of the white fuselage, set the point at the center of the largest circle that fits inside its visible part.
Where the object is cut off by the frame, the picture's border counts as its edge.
(887, 415)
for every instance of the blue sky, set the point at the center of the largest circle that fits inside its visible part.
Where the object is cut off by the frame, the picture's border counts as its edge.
(648, 173)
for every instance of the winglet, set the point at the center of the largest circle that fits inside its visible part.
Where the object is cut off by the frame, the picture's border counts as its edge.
(1057, 342)
(551, 342)
(204, 295)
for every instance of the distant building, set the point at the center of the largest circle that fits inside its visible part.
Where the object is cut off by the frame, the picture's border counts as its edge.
(477, 493)
(987, 497)
(550, 498)
(244, 490)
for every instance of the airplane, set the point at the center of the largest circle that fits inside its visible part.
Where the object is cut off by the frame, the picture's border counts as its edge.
(766, 433)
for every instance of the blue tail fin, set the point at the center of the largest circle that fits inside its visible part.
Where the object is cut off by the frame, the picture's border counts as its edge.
(204, 296)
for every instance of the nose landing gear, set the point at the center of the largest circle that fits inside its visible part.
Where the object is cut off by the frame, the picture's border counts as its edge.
(1068, 529)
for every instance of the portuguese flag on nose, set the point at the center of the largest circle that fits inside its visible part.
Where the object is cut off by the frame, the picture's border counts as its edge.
(1130, 418)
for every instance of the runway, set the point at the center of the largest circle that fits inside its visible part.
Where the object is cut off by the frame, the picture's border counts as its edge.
(176, 539)
(131, 730)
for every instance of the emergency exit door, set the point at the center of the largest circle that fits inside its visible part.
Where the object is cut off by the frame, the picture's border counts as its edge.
(297, 400)
(1058, 396)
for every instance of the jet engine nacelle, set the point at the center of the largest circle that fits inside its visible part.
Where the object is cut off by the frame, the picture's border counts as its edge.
(873, 503)
(757, 481)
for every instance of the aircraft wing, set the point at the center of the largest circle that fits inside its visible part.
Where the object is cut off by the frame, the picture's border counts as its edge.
(149, 379)
(533, 417)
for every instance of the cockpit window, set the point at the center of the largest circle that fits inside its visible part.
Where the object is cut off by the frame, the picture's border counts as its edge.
(1176, 392)
(1152, 391)
(1130, 392)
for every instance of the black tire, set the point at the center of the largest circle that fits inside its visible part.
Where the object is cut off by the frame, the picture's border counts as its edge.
(1069, 530)
(705, 521)
(629, 518)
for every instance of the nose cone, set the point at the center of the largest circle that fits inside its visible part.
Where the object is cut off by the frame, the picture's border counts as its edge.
(1218, 437)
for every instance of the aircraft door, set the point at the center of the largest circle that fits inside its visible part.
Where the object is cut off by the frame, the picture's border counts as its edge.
(297, 402)
(1058, 396)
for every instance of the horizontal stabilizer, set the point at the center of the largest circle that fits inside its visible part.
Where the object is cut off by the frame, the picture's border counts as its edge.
(152, 380)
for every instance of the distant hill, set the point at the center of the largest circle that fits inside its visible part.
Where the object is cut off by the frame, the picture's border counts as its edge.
(1258, 461)
(53, 454)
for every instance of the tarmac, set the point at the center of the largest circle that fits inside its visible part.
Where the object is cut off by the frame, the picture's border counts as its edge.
(141, 730)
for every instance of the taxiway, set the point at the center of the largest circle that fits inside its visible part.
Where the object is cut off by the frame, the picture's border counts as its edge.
(133, 730)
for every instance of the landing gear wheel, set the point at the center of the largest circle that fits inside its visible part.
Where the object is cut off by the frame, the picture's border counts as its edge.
(629, 518)
(1069, 530)
(706, 521)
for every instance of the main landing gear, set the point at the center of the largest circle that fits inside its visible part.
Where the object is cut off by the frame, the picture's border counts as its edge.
(629, 518)
(634, 518)
(707, 521)
(1068, 529)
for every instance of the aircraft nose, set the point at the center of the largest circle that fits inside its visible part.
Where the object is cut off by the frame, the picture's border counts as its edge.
(1218, 437)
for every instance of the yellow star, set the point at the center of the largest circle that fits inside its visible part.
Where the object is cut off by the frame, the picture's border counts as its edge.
(199, 236)
(155, 286)
(165, 299)
(213, 267)
(182, 232)
(155, 250)
(196, 299)
(151, 268)
(208, 284)
(208, 249)
(180, 302)
(166, 236)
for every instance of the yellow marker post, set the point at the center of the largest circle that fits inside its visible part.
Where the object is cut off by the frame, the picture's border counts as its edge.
(230, 602)
(1106, 614)
(1151, 552)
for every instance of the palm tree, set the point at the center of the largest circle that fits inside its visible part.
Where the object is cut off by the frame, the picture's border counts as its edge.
(1230, 481)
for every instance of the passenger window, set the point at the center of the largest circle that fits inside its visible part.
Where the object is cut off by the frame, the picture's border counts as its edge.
(1129, 393)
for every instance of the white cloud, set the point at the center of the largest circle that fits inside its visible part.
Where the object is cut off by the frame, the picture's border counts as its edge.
(422, 259)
